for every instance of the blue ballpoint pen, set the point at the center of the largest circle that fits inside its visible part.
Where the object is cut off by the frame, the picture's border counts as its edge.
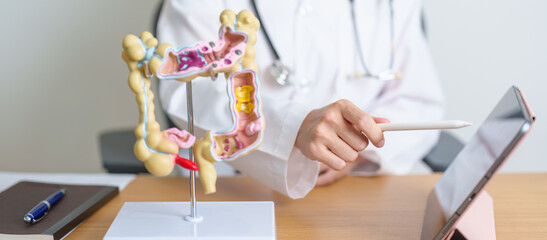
(40, 210)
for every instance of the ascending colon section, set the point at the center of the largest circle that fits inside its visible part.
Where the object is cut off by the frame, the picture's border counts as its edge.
(157, 149)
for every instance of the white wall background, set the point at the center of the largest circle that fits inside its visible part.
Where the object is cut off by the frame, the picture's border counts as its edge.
(481, 48)
(63, 80)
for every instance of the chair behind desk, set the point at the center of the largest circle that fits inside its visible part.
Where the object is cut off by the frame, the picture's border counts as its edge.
(443, 153)
(117, 152)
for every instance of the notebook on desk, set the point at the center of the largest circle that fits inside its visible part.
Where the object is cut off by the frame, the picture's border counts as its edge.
(79, 202)
(458, 208)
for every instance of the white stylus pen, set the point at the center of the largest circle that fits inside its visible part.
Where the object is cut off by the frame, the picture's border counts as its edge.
(448, 124)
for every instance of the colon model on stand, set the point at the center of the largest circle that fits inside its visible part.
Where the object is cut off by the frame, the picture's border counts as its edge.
(233, 54)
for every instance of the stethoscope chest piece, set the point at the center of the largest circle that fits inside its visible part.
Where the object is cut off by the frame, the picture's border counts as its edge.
(280, 73)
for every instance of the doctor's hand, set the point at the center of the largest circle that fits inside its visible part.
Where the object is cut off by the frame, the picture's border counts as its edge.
(328, 175)
(335, 134)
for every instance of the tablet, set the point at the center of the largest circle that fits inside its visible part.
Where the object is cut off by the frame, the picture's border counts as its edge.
(476, 164)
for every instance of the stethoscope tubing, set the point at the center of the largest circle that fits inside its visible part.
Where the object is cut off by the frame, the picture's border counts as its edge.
(367, 72)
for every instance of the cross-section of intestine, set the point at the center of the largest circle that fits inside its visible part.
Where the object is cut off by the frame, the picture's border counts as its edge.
(204, 58)
(243, 137)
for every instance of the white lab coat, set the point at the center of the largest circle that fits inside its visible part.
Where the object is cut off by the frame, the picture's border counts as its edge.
(315, 39)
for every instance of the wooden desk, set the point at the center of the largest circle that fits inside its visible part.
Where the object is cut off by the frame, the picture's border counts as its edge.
(389, 207)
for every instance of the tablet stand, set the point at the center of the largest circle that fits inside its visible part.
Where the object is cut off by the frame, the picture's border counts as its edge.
(477, 222)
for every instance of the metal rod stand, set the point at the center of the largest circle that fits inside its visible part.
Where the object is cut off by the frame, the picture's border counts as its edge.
(193, 211)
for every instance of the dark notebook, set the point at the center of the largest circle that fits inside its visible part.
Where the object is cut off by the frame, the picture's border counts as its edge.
(79, 202)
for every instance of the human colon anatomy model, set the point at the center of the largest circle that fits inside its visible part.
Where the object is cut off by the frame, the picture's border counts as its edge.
(233, 54)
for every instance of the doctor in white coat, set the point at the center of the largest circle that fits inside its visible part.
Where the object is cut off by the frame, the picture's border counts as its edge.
(315, 122)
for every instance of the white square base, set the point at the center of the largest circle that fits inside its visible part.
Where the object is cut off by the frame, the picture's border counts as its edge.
(221, 220)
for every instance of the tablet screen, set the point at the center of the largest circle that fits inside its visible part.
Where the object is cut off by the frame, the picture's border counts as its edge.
(478, 160)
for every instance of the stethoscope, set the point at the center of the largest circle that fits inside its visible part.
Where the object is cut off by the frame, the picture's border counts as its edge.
(281, 73)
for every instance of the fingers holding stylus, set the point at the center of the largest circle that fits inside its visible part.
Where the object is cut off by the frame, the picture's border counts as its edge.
(351, 136)
(363, 122)
(336, 133)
